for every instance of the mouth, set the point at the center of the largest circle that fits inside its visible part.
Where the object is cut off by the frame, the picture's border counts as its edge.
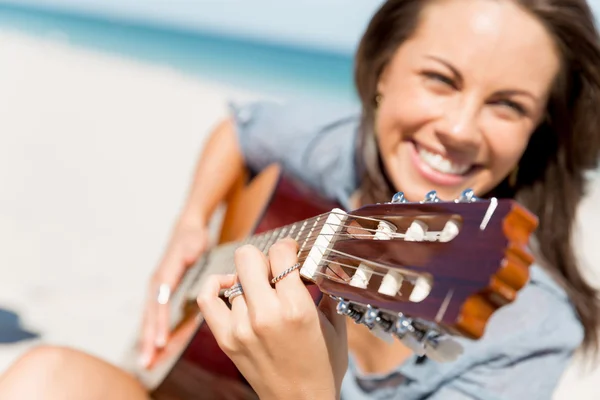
(439, 169)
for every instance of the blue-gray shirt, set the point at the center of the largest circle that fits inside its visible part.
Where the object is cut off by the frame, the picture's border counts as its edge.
(527, 344)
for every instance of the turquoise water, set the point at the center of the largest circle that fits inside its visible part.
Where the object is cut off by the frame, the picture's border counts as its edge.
(255, 66)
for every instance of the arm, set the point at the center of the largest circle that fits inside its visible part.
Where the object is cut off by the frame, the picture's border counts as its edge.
(220, 165)
(257, 134)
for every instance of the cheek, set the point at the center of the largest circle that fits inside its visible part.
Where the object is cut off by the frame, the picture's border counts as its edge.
(506, 150)
(404, 110)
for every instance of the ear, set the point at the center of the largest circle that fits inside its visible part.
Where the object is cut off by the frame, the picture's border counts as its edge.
(383, 80)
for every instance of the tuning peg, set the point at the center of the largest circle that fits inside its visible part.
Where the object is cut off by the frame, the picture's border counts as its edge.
(467, 196)
(442, 348)
(370, 317)
(408, 335)
(399, 198)
(449, 232)
(345, 308)
(403, 326)
(405, 331)
(431, 197)
(416, 232)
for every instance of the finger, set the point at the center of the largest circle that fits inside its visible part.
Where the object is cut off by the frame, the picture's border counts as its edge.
(148, 334)
(239, 307)
(171, 272)
(253, 273)
(214, 310)
(327, 306)
(282, 256)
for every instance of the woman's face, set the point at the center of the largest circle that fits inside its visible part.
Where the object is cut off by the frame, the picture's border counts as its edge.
(461, 98)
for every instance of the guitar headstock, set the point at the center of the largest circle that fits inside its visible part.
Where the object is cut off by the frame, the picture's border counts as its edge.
(420, 271)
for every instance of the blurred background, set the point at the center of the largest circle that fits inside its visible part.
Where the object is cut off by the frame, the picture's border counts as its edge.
(104, 108)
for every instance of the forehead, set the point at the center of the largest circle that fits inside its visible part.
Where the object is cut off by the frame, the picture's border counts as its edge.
(487, 39)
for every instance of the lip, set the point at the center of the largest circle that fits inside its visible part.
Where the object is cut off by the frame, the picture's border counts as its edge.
(435, 177)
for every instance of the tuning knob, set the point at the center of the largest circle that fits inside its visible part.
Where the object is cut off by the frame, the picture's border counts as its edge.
(442, 348)
(467, 196)
(370, 317)
(399, 198)
(345, 308)
(432, 197)
(407, 334)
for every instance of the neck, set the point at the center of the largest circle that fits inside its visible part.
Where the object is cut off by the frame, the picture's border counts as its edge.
(303, 232)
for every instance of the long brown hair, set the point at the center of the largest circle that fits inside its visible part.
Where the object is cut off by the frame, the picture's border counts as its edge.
(551, 174)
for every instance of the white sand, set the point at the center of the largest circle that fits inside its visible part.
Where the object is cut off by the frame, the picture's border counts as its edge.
(95, 158)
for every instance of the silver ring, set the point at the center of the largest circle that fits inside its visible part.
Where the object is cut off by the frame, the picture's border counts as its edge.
(233, 292)
(164, 294)
(285, 273)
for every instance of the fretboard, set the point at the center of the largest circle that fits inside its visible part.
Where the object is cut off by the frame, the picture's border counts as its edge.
(303, 232)
(220, 260)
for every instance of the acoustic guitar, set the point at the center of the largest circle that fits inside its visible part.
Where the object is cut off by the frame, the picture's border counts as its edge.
(422, 272)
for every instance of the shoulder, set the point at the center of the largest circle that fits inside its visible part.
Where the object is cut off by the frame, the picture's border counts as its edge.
(314, 142)
(291, 119)
(524, 351)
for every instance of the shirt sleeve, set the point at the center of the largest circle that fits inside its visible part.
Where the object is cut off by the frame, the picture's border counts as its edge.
(314, 144)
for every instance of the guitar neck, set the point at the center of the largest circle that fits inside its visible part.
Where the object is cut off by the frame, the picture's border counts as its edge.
(220, 259)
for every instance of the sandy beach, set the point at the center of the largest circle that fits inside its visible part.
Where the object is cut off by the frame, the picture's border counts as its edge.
(96, 153)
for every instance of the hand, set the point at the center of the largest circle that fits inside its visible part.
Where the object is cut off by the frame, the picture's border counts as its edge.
(284, 345)
(185, 247)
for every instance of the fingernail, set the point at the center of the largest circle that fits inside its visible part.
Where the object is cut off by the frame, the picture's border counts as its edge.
(160, 342)
(144, 360)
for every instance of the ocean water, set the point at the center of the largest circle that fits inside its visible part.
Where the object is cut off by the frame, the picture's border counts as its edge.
(252, 65)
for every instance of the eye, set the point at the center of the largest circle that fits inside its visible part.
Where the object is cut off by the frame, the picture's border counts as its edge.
(435, 76)
(513, 106)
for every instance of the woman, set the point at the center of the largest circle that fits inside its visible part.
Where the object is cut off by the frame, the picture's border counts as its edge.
(499, 96)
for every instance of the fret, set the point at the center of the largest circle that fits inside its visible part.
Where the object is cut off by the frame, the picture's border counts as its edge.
(314, 238)
(291, 231)
(268, 242)
(300, 233)
(273, 238)
(247, 240)
(250, 240)
(283, 232)
(262, 240)
(310, 233)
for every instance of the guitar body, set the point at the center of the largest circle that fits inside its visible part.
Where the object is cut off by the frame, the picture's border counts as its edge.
(192, 366)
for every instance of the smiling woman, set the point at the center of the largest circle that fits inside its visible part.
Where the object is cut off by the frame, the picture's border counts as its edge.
(500, 96)
(452, 116)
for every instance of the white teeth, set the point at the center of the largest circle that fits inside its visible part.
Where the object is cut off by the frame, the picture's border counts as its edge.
(441, 164)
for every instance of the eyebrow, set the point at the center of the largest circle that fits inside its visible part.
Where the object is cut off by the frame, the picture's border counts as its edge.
(459, 77)
(451, 67)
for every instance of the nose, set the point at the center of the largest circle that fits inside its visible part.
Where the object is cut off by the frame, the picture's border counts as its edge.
(458, 126)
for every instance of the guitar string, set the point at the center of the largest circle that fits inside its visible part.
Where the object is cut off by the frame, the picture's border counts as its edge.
(310, 240)
(318, 222)
(394, 235)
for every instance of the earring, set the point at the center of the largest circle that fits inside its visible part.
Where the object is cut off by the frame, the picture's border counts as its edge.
(378, 98)
(512, 178)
